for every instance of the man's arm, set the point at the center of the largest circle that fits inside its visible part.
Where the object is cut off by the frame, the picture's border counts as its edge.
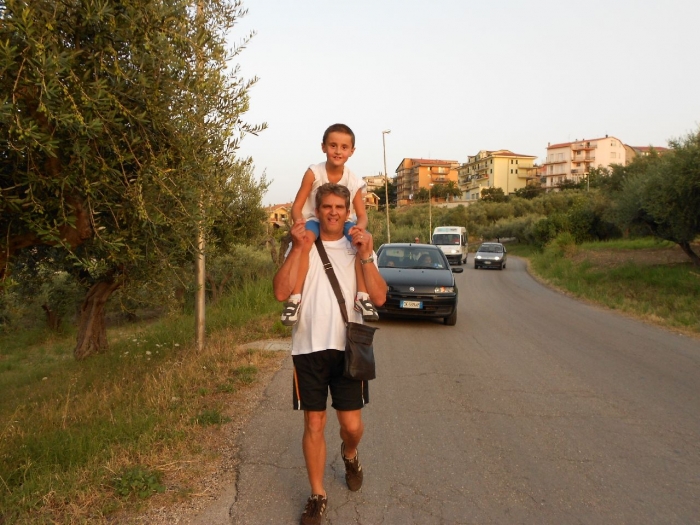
(376, 287)
(286, 277)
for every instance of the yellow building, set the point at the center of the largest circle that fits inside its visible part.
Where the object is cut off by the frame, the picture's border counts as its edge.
(278, 215)
(495, 169)
(414, 174)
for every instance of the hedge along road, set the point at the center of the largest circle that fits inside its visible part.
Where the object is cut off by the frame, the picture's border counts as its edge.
(534, 408)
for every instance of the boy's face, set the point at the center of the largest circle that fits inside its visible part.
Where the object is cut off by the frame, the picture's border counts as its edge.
(338, 148)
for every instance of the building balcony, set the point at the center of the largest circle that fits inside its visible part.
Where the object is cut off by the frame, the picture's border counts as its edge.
(580, 146)
(587, 158)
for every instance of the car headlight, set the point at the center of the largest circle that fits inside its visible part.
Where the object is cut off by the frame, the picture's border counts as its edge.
(478, 256)
(496, 258)
(453, 251)
(444, 289)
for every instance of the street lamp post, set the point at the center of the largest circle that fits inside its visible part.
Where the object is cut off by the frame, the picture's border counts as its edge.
(430, 214)
(386, 186)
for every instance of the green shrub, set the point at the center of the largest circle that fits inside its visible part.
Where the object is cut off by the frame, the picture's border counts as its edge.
(138, 481)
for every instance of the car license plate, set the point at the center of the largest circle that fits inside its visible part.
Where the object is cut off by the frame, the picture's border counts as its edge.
(412, 304)
(487, 262)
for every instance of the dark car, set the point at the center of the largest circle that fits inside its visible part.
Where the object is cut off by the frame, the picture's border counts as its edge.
(420, 280)
(490, 255)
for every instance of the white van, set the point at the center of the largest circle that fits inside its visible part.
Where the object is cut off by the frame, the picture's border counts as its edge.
(453, 242)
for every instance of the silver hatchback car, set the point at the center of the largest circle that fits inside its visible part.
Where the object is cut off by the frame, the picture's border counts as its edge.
(490, 255)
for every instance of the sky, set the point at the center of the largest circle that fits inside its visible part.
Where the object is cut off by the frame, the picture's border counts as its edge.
(452, 77)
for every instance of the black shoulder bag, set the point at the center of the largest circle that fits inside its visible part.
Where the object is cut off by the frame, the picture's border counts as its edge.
(359, 352)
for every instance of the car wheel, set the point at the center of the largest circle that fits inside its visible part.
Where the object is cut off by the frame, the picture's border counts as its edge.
(451, 319)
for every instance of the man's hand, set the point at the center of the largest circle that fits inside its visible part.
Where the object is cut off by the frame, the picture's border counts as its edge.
(298, 232)
(362, 241)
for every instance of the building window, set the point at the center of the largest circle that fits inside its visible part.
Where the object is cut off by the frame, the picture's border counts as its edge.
(613, 154)
(516, 161)
(516, 172)
(511, 172)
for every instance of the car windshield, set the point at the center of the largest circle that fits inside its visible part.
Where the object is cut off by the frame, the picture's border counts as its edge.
(491, 248)
(413, 258)
(446, 238)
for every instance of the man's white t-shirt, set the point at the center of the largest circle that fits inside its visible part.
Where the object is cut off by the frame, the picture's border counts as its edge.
(321, 325)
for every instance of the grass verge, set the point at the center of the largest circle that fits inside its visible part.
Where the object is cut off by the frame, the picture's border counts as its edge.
(81, 441)
(664, 294)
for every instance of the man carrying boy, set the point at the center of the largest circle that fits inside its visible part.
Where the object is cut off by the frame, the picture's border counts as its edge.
(318, 340)
(338, 144)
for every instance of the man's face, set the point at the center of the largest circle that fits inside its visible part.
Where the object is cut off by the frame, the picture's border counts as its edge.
(332, 215)
(338, 148)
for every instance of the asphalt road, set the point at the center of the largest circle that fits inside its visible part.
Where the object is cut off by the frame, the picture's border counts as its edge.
(535, 408)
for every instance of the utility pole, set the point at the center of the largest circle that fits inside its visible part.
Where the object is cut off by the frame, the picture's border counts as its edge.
(199, 261)
(386, 186)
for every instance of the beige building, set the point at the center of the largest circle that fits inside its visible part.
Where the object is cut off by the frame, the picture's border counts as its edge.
(375, 183)
(414, 174)
(572, 161)
(495, 169)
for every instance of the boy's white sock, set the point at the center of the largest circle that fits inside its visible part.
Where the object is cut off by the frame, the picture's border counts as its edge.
(296, 297)
(362, 295)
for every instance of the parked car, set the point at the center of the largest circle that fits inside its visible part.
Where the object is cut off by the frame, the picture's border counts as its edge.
(420, 281)
(490, 255)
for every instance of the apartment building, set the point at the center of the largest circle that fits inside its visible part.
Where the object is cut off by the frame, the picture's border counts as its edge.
(414, 174)
(572, 161)
(495, 169)
(631, 152)
(375, 183)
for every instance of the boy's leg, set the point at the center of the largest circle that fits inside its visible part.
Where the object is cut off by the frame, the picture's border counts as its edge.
(290, 313)
(362, 302)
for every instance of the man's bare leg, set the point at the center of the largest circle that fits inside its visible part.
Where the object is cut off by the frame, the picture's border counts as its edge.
(314, 446)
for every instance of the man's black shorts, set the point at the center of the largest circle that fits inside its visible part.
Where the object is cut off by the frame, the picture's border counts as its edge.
(316, 372)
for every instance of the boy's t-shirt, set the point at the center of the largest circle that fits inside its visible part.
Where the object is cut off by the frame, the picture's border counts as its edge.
(349, 179)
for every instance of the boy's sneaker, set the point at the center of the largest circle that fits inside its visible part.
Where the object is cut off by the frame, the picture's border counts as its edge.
(367, 309)
(315, 510)
(353, 470)
(290, 314)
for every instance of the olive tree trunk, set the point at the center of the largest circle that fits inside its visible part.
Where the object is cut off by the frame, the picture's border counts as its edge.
(92, 331)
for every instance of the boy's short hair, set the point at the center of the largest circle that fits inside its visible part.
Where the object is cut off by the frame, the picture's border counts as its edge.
(339, 128)
(336, 189)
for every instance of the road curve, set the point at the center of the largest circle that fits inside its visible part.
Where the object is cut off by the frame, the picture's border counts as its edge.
(535, 408)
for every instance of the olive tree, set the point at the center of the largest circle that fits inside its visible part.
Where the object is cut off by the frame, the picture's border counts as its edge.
(662, 194)
(119, 125)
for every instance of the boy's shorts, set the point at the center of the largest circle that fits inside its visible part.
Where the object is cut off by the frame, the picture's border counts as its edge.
(313, 226)
(316, 373)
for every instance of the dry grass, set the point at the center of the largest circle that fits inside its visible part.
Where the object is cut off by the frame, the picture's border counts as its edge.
(72, 428)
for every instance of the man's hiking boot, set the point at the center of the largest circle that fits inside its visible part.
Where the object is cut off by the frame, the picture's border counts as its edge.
(353, 470)
(367, 309)
(315, 510)
(290, 314)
